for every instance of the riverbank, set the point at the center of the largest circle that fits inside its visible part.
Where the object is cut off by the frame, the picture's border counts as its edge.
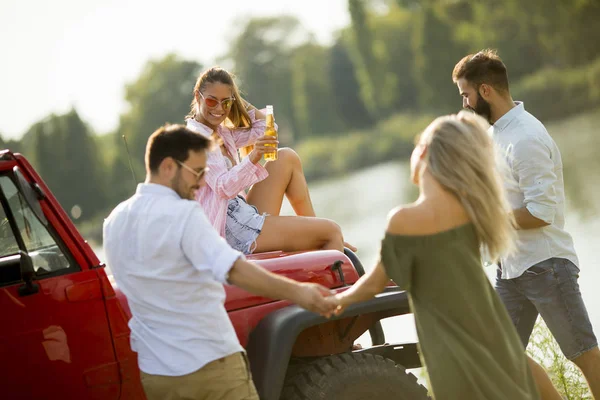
(336, 155)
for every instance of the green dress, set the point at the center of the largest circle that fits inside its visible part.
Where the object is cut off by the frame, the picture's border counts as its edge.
(467, 340)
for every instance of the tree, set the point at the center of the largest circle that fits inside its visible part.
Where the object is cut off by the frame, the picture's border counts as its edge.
(161, 94)
(11, 144)
(435, 54)
(363, 57)
(64, 152)
(81, 166)
(490, 24)
(395, 29)
(313, 99)
(261, 55)
(345, 87)
(370, 54)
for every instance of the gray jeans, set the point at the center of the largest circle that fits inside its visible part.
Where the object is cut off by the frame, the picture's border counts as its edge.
(549, 288)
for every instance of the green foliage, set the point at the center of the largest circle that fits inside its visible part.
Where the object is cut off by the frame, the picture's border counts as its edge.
(11, 144)
(342, 78)
(363, 55)
(565, 376)
(553, 93)
(395, 29)
(313, 99)
(161, 94)
(565, 31)
(370, 54)
(63, 150)
(502, 25)
(391, 139)
(530, 34)
(262, 53)
(434, 58)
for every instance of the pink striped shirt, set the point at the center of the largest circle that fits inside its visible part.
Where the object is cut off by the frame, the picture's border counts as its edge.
(223, 184)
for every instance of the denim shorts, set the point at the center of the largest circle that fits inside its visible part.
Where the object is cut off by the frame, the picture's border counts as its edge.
(243, 225)
(549, 288)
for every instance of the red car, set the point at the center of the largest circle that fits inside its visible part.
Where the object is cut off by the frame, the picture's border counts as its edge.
(63, 323)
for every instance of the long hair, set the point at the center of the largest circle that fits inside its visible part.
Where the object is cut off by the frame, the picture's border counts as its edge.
(463, 158)
(238, 116)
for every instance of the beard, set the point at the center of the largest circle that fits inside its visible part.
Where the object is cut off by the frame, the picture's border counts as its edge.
(182, 189)
(482, 108)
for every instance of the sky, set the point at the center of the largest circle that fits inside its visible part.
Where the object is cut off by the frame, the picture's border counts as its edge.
(58, 54)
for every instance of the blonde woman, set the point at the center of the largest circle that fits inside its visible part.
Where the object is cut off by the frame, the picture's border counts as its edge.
(432, 249)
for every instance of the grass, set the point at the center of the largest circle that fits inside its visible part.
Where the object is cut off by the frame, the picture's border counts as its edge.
(565, 375)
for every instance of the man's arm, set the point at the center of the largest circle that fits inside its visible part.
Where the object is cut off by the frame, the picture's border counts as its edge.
(525, 220)
(257, 280)
(207, 251)
(535, 171)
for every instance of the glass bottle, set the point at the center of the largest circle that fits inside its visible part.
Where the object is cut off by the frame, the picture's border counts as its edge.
(270, 131)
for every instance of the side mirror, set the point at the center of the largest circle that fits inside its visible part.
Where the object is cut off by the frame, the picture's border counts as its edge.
(10, 270)
(27, 274)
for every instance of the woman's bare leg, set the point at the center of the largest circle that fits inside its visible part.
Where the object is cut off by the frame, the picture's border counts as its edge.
(292, 233)
(286, 177)
(542, 381)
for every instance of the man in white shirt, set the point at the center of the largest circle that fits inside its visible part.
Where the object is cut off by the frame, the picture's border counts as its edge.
(541, 275)
(171, 264)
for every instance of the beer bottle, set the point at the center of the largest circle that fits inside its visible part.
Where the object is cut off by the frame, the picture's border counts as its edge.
(270, 131)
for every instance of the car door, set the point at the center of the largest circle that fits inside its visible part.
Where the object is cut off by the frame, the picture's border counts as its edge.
(55, 340)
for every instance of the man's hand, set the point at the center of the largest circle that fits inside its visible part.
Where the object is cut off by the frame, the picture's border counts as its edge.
(313, 297)
(257, 280)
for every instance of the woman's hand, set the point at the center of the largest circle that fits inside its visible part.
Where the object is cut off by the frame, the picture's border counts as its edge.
(353, 248)
(336, 303)
(260, 147)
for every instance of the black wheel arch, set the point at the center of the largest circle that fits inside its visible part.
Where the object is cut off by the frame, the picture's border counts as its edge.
(270, 343)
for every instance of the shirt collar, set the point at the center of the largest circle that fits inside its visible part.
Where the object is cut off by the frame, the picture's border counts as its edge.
(199, 127)
(507, 118)
(155, 189)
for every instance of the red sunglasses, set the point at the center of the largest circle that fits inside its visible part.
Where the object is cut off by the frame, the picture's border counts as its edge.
(212, 103)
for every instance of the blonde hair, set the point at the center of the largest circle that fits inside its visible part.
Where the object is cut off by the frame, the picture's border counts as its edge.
(463, 158)
(238, 115)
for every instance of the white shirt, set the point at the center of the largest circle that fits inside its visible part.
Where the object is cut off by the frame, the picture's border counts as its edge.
(171, 264)
(534, 180)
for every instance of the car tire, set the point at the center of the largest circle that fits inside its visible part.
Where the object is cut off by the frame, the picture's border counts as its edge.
(351, 376)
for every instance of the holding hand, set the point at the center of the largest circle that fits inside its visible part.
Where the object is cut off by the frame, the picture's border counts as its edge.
(260, 149)
(338, 304)
(315, 298)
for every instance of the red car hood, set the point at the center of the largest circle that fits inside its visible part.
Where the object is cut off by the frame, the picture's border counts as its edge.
(312, 266)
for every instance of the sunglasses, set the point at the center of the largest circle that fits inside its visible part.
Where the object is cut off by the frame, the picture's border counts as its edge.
(212, 103)
(197, 174)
